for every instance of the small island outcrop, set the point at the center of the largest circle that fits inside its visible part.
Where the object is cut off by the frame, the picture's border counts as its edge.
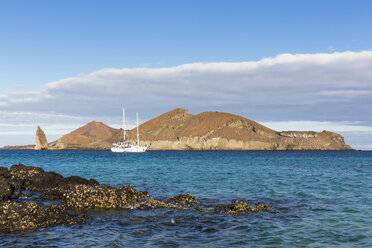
(180, 130)
(41, 140)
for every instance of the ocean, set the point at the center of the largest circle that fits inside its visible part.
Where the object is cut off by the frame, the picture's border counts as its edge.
(320, 198)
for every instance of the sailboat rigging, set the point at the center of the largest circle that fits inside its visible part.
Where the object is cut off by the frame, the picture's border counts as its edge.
(123, 146)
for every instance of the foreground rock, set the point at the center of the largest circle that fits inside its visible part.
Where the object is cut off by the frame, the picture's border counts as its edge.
(5, 189)
(239, 206)
(36, 179)
(41, 140)
(79, 197)
(17, 217)
(79, 194)
(183, 198)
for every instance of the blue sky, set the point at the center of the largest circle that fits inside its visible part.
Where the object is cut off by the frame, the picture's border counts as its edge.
(48, 42)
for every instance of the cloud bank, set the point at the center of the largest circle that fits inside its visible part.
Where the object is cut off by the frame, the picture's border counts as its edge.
(331, 87)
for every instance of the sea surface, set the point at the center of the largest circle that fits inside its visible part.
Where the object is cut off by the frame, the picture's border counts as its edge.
(320, 199)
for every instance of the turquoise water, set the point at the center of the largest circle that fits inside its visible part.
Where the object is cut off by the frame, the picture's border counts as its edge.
(321, 199)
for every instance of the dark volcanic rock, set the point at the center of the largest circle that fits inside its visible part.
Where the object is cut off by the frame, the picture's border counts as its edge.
(183, 198)
(16, 185)
(4, 172)
(16, 217)
(57, 192)
(6, 190)
(34, 178)
(151, 204)
(241, 207)
(81, 196)
(77, 193)
(73, 180)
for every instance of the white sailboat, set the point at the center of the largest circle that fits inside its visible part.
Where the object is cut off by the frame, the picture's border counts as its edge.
(118, 146)
(135, 148)
(127, 147)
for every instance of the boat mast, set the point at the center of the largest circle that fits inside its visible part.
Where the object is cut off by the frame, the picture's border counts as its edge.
(137, 131)
(124, 123)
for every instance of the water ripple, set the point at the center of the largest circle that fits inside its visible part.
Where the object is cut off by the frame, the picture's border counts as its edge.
(321, 199)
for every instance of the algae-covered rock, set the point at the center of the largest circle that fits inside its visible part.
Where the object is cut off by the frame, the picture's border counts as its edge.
(16, 217)
(239, 206)
(94, 196)
(150, 204)
(4, 172)
(76, 193)
(260, 207)
(36, 179)
(183, 198)
(33, 178)
(77, 180)
(172, 202)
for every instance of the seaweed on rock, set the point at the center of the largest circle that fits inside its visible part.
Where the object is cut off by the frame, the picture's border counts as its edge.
(76, 194)
(17, 217)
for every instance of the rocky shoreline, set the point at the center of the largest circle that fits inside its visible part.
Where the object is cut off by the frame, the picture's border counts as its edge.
(76, 196)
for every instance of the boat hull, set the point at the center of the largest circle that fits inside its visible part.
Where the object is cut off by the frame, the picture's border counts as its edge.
(135, 149)
(117, 149)
(122, 146)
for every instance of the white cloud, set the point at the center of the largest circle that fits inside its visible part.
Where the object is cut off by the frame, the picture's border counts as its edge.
(20, 127)
(346, 93)
(286, 79)
(318, 87)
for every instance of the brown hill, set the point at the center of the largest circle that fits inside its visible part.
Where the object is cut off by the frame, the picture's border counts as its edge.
(179, 130)
(93, 136)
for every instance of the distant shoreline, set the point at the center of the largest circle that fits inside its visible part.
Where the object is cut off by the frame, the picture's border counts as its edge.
(28, 148)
